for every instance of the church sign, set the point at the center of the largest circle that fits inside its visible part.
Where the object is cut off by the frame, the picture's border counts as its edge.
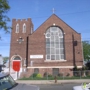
(36, 56)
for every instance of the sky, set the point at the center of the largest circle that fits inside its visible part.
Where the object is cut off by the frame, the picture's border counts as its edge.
(76, 13)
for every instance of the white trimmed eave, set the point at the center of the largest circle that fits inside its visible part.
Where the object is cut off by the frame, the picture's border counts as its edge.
(54, 67)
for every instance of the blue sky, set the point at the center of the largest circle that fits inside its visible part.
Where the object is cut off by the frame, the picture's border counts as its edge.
(76, 13)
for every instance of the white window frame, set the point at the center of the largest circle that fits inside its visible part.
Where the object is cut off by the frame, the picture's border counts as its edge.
(50, 31)
(24, 28)
(25, 62)
(17, 28)
(31, 30)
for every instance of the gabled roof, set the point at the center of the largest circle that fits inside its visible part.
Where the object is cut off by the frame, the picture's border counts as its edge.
(63, 22)
(55, 16)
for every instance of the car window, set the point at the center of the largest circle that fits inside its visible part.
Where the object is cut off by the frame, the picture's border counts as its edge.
(6, 82)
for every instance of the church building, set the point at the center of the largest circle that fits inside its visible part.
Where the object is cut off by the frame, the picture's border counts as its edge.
(54, 47)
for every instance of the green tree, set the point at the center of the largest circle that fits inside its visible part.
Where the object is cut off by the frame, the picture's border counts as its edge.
(4, 8)
(86, 50)
(5, 59)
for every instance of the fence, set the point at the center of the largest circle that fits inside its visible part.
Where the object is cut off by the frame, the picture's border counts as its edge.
(61, 75)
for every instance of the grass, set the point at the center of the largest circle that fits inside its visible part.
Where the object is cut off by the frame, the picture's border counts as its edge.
(52, 78)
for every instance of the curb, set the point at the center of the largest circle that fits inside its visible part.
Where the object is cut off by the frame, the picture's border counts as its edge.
(51, 81)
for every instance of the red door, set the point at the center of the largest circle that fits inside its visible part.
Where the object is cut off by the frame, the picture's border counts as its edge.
(16, 65)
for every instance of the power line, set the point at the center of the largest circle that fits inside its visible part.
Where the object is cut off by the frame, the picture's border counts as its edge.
(76, 12)
(64, 14)
(38, 43)
(69, 33)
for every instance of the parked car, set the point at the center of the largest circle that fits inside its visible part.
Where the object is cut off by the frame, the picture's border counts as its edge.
(8, 83)
(83, 86)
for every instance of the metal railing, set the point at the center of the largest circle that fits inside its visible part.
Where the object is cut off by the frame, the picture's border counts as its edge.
(61, 76)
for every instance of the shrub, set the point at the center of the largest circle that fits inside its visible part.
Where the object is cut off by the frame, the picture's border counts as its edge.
(39, 75)
(68, 74)
(49, 75)
(60, 74)
(75, 68)
(45, 74)
(84, 68)
(34, 75)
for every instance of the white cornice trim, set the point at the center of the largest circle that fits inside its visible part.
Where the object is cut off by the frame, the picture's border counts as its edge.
(55, 60)
(55, 67)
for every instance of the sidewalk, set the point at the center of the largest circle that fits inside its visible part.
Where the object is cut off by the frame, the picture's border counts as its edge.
(52, 81)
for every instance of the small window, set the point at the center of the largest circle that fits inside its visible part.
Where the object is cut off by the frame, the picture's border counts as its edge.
(36, 70)
(25, 62)
(17, 28)
(55, 71)
(48, 57)
(24, 28)
(17, 58)
(31, 30)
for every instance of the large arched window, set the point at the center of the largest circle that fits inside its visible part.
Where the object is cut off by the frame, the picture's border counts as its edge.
(17, 28)
(54, 44)
(24, 28)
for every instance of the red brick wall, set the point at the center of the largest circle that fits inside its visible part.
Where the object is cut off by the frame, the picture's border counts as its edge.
(37, 45)
(16, 48)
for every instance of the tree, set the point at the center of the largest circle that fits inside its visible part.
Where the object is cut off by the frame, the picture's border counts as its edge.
(86, 50)
(4, 8)
(5, 59)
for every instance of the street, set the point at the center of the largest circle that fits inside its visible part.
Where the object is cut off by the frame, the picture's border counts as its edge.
(57, 86)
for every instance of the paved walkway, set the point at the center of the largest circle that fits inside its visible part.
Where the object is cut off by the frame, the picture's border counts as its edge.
(52, 81)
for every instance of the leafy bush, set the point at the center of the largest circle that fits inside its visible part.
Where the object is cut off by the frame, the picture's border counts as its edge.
(60, 74)
(39, 75)
(84, 68)
(75, 68)
(45, 74)
(49, 75)
(34, 75)
(68, 74)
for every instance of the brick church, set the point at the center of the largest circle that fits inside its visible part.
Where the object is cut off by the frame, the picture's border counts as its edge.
(54, 47)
